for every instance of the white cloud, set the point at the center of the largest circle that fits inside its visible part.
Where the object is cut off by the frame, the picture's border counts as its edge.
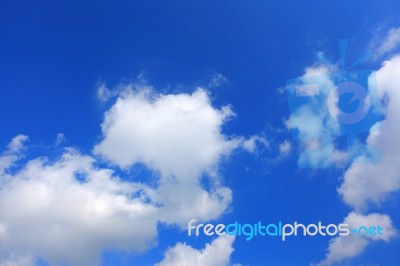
(13, 260)
(310, 118)
(178, 135)
(345, 247)
(69, 210)
(6, 160)
(251, 144)
(17, 143)
(217, 253)
(60, 138)
(391, 42)
(367, 181)
(285, 147)
(103, 93)
(217, 80)
(14, 148)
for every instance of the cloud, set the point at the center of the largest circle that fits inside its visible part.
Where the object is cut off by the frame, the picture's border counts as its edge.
(177, 135)
(310, 118)
(253, 143)
(60, 138)
(12, 153)
(217, 80)
(345, 247)
(17, 143)
(285, 147)
(217, 253)
(104, 94)
(13, 260)
(68, 210)
(390, 43)
(366, 181)
(369, 181)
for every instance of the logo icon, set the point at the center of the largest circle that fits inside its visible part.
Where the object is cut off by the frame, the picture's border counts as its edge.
(335, 102)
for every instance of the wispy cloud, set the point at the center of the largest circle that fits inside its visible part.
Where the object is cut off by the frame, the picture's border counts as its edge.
(217, 80)
(315, 127)
(390, 42)
(285, 147)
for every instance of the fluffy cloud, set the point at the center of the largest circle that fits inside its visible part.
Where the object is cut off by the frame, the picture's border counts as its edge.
(177, 135)
(367, 181)
(344, 247)
(12, 153)
(217, 253)
(69, 210)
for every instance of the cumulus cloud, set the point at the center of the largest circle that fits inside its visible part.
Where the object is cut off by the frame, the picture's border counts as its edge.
(217, 253)
(179, 136)
(344, 247)
(68, 210)
(371, 174)
(367, 181)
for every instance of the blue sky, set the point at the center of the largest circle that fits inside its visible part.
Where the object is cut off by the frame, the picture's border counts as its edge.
(190, 99)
